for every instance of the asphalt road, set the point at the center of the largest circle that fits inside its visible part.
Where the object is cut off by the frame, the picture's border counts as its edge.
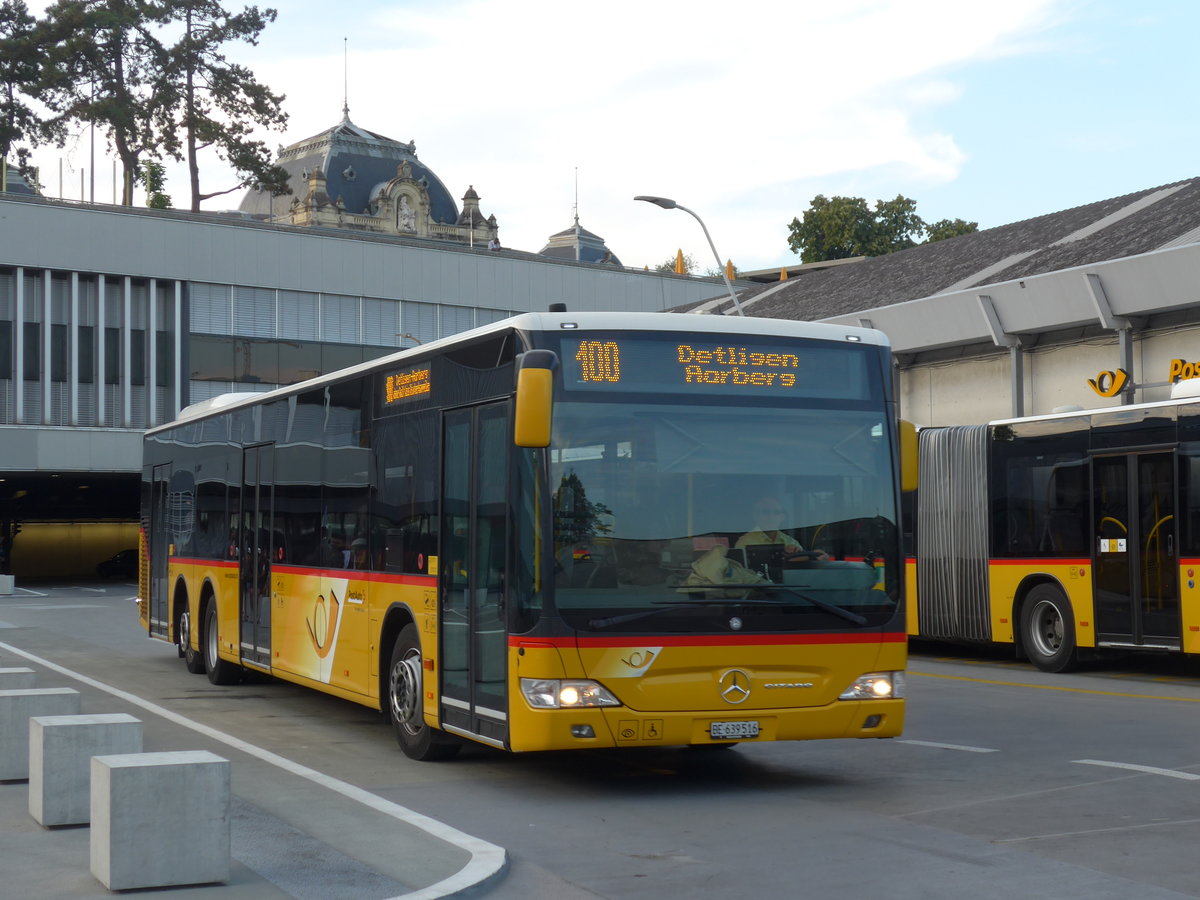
(1008, 782)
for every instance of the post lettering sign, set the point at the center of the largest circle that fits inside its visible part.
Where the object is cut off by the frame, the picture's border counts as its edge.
(406, 386)
(692, 363)
(1182, 370)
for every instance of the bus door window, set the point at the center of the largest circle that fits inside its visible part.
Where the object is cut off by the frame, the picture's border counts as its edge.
(474, 534)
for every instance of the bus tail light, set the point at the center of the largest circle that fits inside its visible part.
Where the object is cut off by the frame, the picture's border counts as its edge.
(875, 686)
(557, 693)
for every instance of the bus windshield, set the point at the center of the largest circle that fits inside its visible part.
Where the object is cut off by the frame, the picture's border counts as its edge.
(679, 518)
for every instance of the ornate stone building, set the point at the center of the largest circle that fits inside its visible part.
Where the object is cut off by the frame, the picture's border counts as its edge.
(348, 177)
(579, 244)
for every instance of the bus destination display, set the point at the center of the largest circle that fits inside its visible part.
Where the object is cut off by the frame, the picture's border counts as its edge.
(700, 364)
(406, 386)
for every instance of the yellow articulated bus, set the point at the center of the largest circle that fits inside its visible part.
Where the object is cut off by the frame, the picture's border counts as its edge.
(542, 534)
(1064, 535)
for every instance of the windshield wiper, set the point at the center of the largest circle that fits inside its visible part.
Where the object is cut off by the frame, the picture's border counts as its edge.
(820, 604)
(664, 605)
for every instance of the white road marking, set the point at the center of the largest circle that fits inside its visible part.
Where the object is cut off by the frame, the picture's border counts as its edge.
(487, 859)
(56, 606)
(35, 593)
(94, 590)
(941, 746)
(1148, 770)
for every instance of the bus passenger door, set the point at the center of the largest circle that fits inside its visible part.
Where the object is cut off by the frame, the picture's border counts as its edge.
(1137, 561)
(474, 639)
(256, 550)
(159, 531)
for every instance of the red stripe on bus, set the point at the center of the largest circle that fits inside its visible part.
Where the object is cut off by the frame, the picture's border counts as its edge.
(355, 574)
(709, 640)
(214, 563)
(1044, 561)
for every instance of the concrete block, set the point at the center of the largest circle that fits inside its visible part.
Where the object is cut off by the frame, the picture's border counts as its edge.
(14, 678)
(17, 707)
(160, 819)
(60, 761)
(7, 584)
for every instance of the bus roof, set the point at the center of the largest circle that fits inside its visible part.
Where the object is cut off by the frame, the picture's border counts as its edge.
(723, 326)
(1077, 413)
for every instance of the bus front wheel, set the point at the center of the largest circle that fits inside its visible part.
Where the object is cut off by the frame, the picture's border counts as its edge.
(219, 671)
(1048, 629)
(406, 703)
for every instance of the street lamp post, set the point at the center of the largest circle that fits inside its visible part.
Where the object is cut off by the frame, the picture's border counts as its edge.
(667, 203)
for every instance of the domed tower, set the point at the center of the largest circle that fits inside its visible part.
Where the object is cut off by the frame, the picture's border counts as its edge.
(579, 244)
(348, 177)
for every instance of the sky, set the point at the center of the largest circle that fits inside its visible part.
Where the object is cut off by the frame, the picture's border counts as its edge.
(987, 111)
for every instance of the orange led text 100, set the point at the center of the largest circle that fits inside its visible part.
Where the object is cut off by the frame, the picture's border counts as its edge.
(599, 361)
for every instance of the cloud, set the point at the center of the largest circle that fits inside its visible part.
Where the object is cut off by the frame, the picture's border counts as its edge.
(737, 111)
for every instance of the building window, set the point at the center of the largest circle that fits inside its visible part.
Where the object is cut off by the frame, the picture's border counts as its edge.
(112, 355)
(6, 350)
(33, 351)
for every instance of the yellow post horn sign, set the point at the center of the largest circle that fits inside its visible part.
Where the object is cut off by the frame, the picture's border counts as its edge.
(1109, 384)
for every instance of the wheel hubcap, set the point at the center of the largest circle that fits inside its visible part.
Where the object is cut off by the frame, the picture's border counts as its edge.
(211, 644)
(406, 690)
(185, 631)
(1047, 628)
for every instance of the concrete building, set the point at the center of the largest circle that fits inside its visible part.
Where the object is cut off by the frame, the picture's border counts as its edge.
(1022, 318)
(113, 319)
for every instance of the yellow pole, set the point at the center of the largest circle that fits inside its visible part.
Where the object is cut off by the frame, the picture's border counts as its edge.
(729, 268)
(783, 274)
(680, 268)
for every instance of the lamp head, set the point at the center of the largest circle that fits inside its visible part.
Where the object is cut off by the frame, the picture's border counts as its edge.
(664, 202)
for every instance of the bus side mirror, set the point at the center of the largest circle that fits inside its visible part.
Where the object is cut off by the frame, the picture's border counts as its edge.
(908, 456)
(535, 398)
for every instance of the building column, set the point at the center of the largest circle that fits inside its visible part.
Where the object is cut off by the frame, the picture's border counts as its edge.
(73, 352)
(1122, 326)
(152, 354)
(47, 315)
(127, 355)
(101, 351)
(19, 340)
(1016, 356)
(177, 334)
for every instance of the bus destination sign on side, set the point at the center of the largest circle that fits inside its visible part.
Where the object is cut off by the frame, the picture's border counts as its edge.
(406, 386)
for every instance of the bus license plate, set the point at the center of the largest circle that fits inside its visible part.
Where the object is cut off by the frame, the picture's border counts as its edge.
(735, 730)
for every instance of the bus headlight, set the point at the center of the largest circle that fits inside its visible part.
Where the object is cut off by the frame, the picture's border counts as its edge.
(875, 686)
(558, 693)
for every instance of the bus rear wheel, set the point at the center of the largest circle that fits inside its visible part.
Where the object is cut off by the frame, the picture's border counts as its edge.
(405, 698)
(1048, 629)
(192, 658)
(219, 671)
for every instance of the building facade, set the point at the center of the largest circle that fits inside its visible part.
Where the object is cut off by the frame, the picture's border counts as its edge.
(1088, 307)
(114, 319)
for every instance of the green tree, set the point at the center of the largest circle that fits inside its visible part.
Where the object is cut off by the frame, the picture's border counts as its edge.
(668, 265)
(897, 226)
(843, 227)
(19, 73)
(948, 228)
(101, 68)
(155, 178)
(833, 228)
(218, 103)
